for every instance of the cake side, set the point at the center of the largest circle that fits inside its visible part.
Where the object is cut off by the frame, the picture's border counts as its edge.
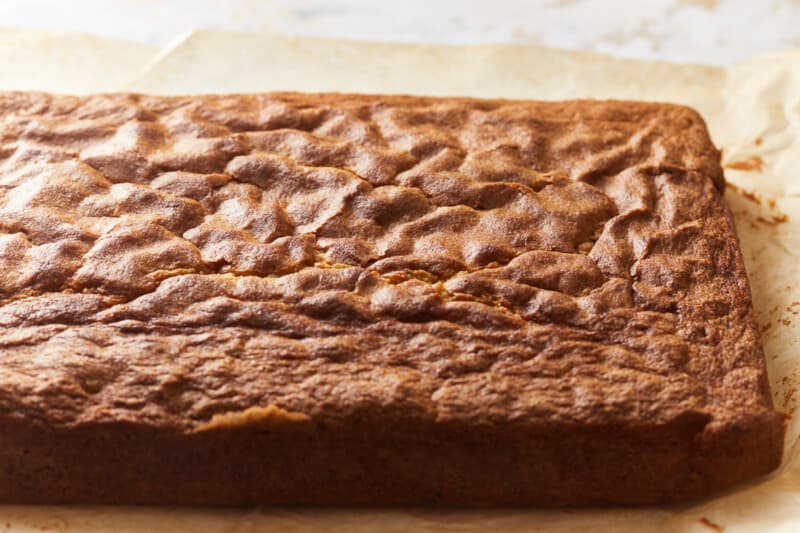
(421, 281)
(376, 463)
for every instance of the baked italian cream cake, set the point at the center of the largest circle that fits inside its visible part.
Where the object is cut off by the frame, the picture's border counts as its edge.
(373, 300)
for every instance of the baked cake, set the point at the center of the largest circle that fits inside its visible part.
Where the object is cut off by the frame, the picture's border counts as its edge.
(349, 299)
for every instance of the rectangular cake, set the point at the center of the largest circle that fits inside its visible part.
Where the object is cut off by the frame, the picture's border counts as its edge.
(374, 300)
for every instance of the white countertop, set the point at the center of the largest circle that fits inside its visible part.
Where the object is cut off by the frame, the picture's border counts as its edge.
(699, 31)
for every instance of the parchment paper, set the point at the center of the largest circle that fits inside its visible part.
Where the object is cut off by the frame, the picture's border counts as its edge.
(68, 62)
(753, 111)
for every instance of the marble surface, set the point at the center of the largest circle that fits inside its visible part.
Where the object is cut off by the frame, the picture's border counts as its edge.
(699, 31)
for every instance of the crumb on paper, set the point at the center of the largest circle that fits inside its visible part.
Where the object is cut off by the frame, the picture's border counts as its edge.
(774, 220)
(789, 402)
(758, 141)
(711, 525)
(750, 195)
(755, 164)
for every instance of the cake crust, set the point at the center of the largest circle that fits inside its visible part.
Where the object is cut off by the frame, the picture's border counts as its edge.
(351, 299)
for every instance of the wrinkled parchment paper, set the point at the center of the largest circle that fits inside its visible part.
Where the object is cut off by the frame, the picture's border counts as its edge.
(753, 111)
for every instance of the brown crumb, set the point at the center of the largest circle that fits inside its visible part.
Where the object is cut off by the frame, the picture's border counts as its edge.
(790, 403)
(711, 525)
(788, 395)
(766, 327)
(790, 406)
(758, 141)
(750, 195)
(773, 220)
(754, 163)
(785, 321)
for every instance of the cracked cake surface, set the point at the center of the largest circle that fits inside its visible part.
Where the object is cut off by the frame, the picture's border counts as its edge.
(421, 279)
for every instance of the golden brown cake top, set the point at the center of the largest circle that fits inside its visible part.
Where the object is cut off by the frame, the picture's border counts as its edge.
(173, 258)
